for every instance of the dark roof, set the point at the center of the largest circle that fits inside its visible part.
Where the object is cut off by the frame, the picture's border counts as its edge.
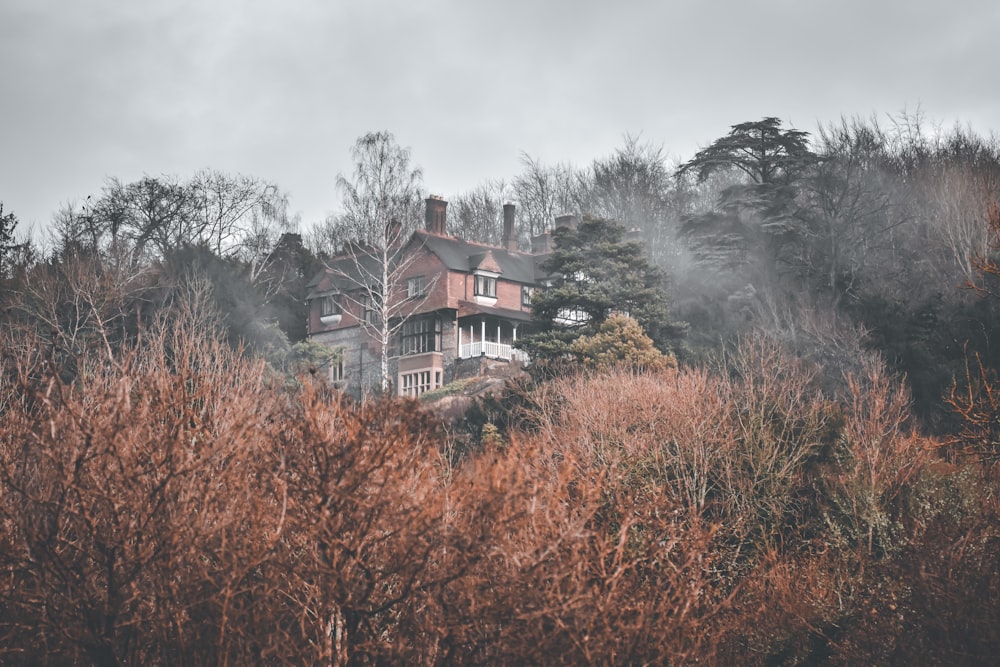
(336, 275)
(459, 255)
(455, 254)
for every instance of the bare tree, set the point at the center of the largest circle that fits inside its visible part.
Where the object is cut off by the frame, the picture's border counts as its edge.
(544, 192)
(326, 238)
(853, 209)
(478, 214)
(234, 216)
(382, 205)
(635, 187)
(229, 207)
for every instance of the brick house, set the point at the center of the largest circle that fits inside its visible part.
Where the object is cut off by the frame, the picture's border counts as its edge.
(469, 303)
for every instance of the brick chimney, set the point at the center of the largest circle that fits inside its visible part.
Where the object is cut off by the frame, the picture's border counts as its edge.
(566, 221)
(508, 240)
(434, 215)
(541, 244)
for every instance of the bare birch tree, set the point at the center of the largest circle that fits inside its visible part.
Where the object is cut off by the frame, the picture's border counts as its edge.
(381, 208)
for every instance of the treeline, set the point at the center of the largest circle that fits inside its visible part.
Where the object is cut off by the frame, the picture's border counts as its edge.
(110, 264)
(863, 235)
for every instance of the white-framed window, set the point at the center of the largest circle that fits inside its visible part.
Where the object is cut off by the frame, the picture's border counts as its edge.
(419, 335)
(329, 305)
(486, 286)
(416, 286)
(335, 372)
(527, 291)
(418, 382)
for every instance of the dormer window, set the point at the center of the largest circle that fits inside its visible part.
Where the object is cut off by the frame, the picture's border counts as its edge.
(329, 309)
(486, 286)
(329, 305)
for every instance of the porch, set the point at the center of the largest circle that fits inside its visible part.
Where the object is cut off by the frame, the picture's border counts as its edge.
(489, 337)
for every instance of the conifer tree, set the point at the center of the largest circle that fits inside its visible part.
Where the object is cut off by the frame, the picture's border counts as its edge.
(596, 272)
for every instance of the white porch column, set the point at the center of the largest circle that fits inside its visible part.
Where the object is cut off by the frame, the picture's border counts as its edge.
(515, 332)
(482, 333)
(459, 342)
(498, 334)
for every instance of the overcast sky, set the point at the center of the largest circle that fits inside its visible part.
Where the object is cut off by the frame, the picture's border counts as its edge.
(90, 90)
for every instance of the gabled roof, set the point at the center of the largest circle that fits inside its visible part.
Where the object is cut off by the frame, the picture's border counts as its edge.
(484, 262)
(465, 256)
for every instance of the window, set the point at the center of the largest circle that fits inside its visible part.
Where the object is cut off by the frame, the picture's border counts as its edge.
(416, 383)
(416, 286)
(526, 293)
(486, 286)
(571, 317)
(329, 305)
(336, 371)
(369, 307)
(419, 335)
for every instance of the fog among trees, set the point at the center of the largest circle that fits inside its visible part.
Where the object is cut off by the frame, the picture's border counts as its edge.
(787, 455)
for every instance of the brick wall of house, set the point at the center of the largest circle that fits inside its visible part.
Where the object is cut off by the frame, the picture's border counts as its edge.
(427, 264)
(508, 294)
(459, 288)
(360, 357)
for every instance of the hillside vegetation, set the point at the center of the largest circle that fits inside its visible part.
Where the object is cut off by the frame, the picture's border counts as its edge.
(798, 466)
(181, 503)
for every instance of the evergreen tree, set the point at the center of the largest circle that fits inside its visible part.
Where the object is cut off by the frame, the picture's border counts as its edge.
(596, 272)
(755, 221)
(7, 246)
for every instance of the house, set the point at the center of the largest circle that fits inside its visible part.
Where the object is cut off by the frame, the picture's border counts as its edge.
(462, 303)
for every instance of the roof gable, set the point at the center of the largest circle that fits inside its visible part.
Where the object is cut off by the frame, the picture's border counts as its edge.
(485, 262)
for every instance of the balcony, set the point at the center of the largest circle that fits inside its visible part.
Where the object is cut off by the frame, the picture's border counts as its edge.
(491, 350)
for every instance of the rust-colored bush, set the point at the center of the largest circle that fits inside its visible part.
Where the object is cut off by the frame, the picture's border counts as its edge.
(175, 504)
(139, 498)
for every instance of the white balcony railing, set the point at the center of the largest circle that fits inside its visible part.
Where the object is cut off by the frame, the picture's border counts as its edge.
(492, 350)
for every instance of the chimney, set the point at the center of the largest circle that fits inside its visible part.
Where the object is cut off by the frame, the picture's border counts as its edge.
(541, 244)
(566, 221)
(395, 233)
(434, 215)
(508, 240)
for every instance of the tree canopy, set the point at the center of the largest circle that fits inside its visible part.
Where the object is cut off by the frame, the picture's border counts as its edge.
(760, 149)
